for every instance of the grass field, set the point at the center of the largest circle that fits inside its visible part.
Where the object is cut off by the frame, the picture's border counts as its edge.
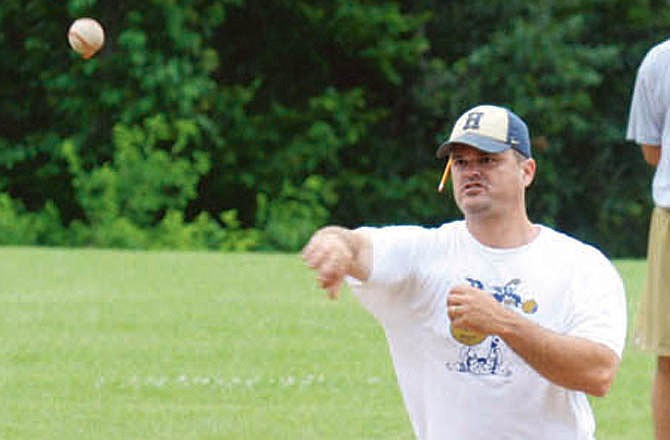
(135, 345)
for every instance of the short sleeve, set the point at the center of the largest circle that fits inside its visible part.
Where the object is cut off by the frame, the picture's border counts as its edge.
(394, 262)
(645, 121)
(393, 255)
(599, 303)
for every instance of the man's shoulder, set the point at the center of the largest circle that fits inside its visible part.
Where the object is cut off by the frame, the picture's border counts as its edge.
(415, 233)
(447, 227)
(570, 246)
(452, 226)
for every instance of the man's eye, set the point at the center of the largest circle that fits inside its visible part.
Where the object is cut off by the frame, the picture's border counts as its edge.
(460, 162)
(486, 160)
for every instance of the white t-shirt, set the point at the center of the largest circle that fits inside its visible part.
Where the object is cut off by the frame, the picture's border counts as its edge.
(649, 120)
(485, 391)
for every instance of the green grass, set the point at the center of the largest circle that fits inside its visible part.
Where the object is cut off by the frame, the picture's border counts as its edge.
(625, 413)
(136, 345)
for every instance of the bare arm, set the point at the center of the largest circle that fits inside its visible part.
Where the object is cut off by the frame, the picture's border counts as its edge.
(334, 252)
(569, 361)
(652, 154)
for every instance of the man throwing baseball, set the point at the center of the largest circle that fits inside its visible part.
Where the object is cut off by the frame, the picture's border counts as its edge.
(497, 327)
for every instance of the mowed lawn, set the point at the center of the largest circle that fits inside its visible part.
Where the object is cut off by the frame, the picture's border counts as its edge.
(173, 345)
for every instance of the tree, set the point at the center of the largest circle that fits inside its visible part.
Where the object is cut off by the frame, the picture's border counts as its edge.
(247, 124)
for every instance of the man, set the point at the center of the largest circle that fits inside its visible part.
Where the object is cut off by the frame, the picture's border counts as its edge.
(497, 327)
(649, 126)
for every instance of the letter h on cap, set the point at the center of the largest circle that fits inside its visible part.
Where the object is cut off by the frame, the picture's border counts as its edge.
(472, 122)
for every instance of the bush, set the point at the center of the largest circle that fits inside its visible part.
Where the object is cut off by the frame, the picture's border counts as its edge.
(203, 233)
(290, 219)
(18, 227)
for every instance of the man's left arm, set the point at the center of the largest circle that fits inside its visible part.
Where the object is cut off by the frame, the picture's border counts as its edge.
(569, 361)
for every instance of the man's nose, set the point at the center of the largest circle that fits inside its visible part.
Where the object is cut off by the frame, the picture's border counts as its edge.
(471, 169)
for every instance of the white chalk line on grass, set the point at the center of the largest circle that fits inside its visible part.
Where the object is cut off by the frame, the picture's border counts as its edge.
(219, 382)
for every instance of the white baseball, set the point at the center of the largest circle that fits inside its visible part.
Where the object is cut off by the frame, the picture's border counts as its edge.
(86, 37)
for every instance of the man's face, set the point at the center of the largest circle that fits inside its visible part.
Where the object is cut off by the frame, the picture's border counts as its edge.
(489, 183)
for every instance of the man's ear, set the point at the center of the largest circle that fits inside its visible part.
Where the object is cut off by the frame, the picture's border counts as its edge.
(528, 168)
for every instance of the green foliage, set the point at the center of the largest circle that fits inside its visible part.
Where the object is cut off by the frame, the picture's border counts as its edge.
(174, 233)
(118, 232)
(14, 227)
(18, 226)
(568, 70)
(290, 219)
(553, 89)
(292, 115)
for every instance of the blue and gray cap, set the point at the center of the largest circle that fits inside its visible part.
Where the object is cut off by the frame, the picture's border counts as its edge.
(488, 128)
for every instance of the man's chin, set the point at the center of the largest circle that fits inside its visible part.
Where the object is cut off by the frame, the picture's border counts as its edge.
(471, 207)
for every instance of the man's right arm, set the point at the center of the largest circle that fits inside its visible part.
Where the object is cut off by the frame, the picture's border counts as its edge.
(335, 252)
(652, 154)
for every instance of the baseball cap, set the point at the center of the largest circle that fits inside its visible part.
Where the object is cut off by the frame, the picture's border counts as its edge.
(488, 128)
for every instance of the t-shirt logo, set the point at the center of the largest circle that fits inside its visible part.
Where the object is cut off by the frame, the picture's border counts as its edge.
(486, 357)
(508, 295)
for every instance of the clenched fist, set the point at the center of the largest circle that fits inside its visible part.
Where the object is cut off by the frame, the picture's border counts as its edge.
(334, 252)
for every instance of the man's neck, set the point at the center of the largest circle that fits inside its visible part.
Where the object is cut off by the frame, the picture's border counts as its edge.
(508, 232)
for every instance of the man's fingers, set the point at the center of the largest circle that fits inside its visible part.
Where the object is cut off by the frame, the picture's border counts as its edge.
(332, 287)
(329, 254)
(460, 290)
(315, 258)
(334, 290)
(456, 311)
(330, 264)
(312, 251)
(313, 246)
(328, 278)
(325, 248)
(454, 299)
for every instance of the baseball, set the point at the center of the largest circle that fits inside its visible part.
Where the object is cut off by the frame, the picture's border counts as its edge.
(467, 337)
(86, 37)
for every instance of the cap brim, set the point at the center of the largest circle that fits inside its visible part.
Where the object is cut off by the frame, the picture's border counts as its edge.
(483, 143)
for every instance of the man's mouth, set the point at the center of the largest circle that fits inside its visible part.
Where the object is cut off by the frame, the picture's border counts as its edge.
(472, 187)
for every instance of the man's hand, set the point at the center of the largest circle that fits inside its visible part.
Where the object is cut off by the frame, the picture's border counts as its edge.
(569, 361)
(334, 252)
(473, 309)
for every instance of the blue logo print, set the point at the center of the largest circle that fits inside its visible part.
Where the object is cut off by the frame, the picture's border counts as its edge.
(486, 358)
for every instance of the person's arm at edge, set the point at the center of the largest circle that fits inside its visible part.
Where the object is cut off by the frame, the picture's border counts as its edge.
(651, 153)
